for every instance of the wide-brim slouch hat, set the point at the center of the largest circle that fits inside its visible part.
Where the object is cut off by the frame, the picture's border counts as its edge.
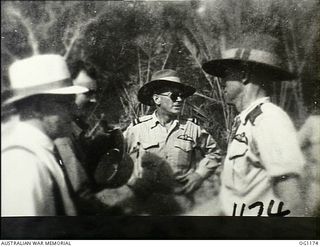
(257, 52)
(162, 79)
(40, 74)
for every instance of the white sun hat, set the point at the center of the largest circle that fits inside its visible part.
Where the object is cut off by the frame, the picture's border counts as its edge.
(40, 74)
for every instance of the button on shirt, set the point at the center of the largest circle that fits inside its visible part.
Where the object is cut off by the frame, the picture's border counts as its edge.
(33, 183)
(150, 142)
(260, 150)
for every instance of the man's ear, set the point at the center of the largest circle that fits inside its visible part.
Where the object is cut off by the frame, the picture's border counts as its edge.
(156, 99)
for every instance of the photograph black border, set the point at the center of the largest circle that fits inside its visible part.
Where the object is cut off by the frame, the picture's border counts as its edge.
(160, 227)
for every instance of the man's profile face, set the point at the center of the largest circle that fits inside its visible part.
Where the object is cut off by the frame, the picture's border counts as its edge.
(170, 100)
(233, 86)
(57, 115)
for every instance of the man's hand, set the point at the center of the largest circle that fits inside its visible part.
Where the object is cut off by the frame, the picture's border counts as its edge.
(191, 182)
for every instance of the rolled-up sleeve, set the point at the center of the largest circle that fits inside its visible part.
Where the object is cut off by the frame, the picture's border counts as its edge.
(211, 154)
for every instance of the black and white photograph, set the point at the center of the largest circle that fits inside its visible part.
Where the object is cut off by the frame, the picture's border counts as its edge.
(181, 119)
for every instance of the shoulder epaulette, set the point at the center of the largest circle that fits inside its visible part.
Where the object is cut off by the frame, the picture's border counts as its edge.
(253, 114)
(141, 120)
(193, 120)
(136, 121)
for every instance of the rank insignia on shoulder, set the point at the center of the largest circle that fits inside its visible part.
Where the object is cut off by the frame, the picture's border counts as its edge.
(141, 120)
(194, 120)
(135, 121)
(185, 137)
(253, 114)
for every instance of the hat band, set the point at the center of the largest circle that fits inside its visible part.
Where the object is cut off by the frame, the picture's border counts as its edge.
(168, 78)
(252, 55)
(42, 88)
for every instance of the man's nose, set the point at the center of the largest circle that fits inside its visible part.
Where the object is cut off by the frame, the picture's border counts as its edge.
(179, 98)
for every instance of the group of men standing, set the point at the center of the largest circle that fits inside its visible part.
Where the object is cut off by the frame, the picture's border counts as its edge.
(43, 172)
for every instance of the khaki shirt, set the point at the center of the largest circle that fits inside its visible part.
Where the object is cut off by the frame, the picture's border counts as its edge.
(265, 146)
(183, 149)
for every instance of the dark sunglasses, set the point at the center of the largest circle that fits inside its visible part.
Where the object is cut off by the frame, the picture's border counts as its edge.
(174, 95)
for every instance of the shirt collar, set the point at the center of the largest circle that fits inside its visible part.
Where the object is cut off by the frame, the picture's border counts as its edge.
(29, 132)
(155, 121)
(243, 115)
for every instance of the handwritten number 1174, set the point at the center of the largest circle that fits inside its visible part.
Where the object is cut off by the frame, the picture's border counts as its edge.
(260, 206)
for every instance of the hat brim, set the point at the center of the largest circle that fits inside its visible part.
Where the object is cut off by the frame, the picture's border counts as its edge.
(59, 91)
(109, 174)
(219, 68)
(146, 91)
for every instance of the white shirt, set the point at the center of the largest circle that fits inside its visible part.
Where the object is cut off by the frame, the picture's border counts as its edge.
(264, 147)
(32, 182)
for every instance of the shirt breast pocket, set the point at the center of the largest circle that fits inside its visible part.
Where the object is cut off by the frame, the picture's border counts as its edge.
(183, 151)
(237, 150)
(238, 166)
(184, 145)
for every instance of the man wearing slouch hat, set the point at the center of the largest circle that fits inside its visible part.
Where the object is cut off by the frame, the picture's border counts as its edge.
(263, 171)
(173, 156)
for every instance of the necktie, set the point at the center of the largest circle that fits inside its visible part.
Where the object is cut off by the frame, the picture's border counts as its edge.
(234, 128)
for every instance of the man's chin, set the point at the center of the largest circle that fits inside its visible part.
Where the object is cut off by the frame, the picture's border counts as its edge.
(175, 112)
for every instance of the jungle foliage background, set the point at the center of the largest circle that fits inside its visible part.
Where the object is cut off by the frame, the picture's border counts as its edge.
(126, 41)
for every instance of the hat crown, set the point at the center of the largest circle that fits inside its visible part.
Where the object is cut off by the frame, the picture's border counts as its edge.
(255, 47)
(38, 70)
(252, 55)
(165, 74)
(40, 74)
(259, 51)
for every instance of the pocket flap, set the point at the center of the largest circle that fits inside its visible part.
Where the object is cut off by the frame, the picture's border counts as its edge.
(237, 150)
(183, 145)
(148, 145)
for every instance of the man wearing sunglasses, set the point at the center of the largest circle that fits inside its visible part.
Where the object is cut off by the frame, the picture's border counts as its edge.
(173, 156)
